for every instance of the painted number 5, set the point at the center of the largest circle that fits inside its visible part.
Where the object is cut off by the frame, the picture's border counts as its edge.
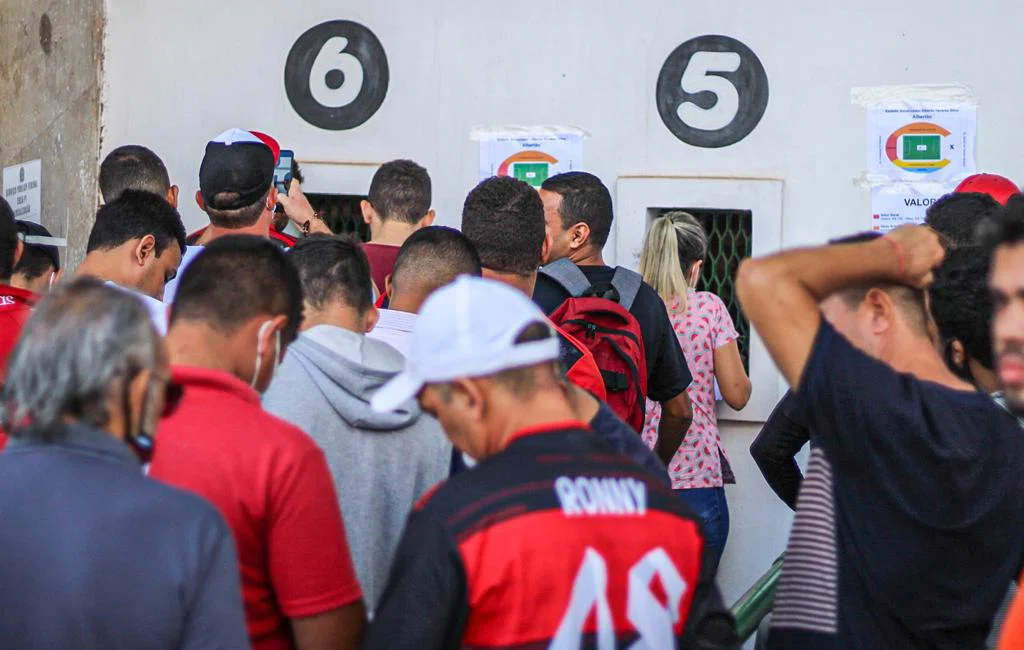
(712, 91)
(653, 622)
(696, 79)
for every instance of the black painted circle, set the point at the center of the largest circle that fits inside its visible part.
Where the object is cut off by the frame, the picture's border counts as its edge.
(362, 44)
(751, 84)
(335, 79)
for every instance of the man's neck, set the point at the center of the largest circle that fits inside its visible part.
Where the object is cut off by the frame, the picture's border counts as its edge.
(588, 257)
(915, 355)
(102, 265)
(261, 229)
(391, 232)
(190, 343)
(341, 316)
(545, 407)
(406, 301)
(524, 283)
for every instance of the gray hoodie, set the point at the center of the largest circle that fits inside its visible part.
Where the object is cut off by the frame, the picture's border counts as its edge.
(381, 462)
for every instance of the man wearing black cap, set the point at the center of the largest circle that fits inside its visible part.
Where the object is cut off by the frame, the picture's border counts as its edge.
(236, 191)
(39, 266)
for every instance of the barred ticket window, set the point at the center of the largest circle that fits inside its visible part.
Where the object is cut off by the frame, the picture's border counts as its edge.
(341, 213)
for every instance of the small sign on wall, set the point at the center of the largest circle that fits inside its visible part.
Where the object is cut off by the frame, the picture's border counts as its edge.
(530, 154)
(23, 189)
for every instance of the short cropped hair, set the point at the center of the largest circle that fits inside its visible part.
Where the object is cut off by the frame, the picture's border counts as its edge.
(400, 190)
(961, 303)
(585, 199)
(1005, 227)
(132, 167)
(240, 217)
(81, 343)
(8, 240)
(235, 279)
(433, 257)
(504, 219)
(910, 301)
(333, 269)
(957, 216)
(134, 215)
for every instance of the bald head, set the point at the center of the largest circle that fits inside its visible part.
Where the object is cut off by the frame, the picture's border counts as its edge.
(429, 259)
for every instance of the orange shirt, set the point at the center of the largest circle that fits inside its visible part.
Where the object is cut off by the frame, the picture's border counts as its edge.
(1012, 637)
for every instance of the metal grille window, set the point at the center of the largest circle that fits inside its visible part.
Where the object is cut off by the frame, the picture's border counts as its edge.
(341, 213)
(729, 241)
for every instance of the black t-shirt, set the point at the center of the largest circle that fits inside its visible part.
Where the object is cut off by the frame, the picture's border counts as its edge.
(928, 505)
(667, 372)
(496, 557)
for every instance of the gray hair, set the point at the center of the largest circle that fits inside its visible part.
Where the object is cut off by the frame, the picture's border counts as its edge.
(81, 340)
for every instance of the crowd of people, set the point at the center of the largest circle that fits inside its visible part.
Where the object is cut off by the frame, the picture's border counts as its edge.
(487, 437)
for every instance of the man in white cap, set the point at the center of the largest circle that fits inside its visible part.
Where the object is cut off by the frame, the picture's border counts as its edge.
(552, 538)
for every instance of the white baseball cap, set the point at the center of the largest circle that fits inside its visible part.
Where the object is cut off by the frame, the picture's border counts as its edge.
(467, 329)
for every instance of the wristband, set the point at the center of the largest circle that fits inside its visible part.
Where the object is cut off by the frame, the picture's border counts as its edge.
(305, 226)
(901, 256)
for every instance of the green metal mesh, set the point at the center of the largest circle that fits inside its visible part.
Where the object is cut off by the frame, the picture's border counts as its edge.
(341, 213)
(729, 241)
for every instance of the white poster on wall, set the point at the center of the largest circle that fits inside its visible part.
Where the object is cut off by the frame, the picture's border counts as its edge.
(23, 190)
(531, 154)
(919, 133)
(900, 204)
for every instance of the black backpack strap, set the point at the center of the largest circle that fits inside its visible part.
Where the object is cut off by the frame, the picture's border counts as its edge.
(627, 283)
(568, 276)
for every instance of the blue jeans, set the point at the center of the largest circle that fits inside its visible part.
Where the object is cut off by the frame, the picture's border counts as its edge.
(713, 512)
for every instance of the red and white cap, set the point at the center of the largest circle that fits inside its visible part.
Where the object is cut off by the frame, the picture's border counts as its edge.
(998, 187)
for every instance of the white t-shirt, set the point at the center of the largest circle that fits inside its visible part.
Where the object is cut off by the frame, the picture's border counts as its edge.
(172, 287)
(157, 309)
(394, 328)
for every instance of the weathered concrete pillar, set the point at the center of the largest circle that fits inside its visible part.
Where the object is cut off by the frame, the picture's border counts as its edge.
(50, 58)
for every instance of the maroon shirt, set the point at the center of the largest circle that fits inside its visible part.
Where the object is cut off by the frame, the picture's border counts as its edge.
(382, 262)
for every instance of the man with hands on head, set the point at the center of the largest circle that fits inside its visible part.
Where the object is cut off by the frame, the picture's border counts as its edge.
(913, 453)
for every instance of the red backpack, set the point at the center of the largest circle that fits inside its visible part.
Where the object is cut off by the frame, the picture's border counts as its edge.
(598, 317)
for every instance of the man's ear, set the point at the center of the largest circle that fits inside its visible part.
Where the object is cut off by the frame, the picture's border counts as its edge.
(388, 284)
(882, 309)
(545, 248)
(19, 250)
(428, 219)
(200, 201)
(145, 249)
(579, 235)
(271, 202)
(368, 211)
(957, 353)
(172, 196)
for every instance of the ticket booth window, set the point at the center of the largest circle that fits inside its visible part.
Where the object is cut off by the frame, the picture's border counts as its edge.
(729, 241)
(341, 213)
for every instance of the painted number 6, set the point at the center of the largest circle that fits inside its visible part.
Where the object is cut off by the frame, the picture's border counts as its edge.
(654, 623)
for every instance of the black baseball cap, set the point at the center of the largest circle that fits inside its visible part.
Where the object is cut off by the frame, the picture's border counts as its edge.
(30, 232)
(239, 163)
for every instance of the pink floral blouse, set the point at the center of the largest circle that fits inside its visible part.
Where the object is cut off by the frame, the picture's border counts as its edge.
(703, 328)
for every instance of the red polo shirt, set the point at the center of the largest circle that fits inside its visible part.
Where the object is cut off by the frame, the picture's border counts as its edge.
(15, 308)
(272, 484)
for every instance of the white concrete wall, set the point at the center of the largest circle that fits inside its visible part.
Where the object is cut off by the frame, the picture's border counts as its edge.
(179, 72)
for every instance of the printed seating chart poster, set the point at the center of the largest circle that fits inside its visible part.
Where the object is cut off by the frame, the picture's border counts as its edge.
(921, 142)
(929, 142)
(530, 154)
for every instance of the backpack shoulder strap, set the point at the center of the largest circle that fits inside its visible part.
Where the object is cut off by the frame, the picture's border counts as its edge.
(627, 283)
(568, 276)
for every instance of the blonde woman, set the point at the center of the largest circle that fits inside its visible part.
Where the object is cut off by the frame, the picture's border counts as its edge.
(671, 262)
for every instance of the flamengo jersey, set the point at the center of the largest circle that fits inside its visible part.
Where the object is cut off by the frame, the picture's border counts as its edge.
(557, 543)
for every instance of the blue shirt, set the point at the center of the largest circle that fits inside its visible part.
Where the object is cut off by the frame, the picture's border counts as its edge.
(929, 519)
(96, 555)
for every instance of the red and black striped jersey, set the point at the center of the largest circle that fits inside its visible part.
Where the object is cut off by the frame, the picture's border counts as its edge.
(556, 542)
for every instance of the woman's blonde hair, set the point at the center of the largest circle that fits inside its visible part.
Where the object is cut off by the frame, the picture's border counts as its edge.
(675, 241)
